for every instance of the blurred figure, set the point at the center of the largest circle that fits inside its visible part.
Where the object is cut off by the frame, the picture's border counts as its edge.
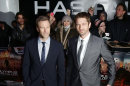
(14, 23)
(66, 30)
(68, 11)
(93, 19)
(5, 33)
(104, 66)
(91, 11)
(103, 16)
(21, 32)
(101, 27)
(53, 23)
(119, 27)
(97, 21)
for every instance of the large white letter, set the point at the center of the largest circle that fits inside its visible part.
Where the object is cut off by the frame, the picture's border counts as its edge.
(76, 7)
(59, 10)
(126, 3)
(41, 7)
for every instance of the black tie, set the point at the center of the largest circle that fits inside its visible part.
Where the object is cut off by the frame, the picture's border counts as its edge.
(43, 54)
(79, 52)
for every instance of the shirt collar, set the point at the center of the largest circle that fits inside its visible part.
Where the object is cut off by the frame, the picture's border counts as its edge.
(85, 39)
(46, 42)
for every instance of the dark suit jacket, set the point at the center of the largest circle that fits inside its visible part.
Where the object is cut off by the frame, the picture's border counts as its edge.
(53, 70)
(88, 74)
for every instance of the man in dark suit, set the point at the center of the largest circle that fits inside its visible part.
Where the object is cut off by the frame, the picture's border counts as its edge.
(84, 55)
(43, 62)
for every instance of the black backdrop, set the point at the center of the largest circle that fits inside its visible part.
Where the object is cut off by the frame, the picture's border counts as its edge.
(27, 6)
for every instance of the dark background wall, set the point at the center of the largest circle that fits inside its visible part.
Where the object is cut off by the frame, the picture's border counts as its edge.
(27, 6)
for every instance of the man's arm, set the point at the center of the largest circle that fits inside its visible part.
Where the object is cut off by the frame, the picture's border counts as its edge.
(26, 66)
(106, 54)
(61, 67)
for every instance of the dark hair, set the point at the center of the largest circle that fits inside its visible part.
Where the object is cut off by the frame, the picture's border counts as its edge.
(19, 13)
(123, 5)
(100, 23)
(41, 18)
(124, 8)
(83, 15)
(103, 12)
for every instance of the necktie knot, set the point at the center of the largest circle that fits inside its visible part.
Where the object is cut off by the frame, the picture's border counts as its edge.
(43, 43)
(82, 42)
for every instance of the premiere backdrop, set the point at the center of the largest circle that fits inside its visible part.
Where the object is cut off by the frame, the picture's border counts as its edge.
(11, 60)
(58, 7)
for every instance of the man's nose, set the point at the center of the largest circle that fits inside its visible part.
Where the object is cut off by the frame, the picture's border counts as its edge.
(80, 26)
(44, 30)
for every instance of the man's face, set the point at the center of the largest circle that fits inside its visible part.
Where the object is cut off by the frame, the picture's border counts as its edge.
(44, 29)
(20, 19)
(82, 26)
(119, 11)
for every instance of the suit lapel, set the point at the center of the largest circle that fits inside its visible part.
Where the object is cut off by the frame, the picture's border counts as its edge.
(36, 52)
(87, 50)
(75, 52)
(50, 50)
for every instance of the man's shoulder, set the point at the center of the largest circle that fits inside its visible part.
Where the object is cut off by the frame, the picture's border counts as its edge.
(91, 37)
(31, 41)
(55, 42)
(96, 38)
(73, 38)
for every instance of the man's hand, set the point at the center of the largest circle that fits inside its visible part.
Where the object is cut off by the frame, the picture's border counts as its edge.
(108, 85)
(91, 11)
(52, 18)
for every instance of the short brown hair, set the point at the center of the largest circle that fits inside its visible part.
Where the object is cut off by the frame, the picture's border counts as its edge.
(41, 18)
(83, 15)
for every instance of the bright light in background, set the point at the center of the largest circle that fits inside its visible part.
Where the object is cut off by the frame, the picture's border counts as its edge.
(8, 9)
(9, 6)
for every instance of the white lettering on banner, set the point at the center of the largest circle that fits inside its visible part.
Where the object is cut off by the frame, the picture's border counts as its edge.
(76, 7)
(47, 7)
(60, 10)
(97, 8)
(126, 3)
(9, 73)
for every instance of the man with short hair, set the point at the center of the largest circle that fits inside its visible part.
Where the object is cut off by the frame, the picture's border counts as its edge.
(84, 55)
(43, 62)
(22, 32)
(119, 26)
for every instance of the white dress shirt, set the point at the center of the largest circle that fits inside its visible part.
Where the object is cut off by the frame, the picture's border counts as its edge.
(85, 43)
(47, 46)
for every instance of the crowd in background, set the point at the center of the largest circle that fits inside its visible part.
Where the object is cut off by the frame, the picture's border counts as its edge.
(116, 30)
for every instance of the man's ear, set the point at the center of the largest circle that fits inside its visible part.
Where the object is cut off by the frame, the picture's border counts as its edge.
(124, 12)
(89, 25)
